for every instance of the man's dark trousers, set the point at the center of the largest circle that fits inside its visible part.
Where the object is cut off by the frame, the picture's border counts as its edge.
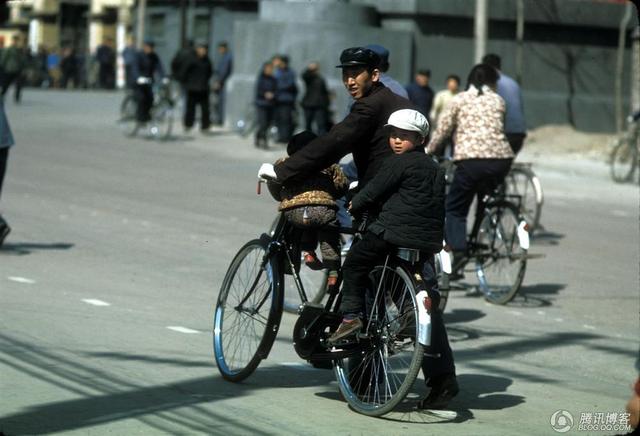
(195, 98)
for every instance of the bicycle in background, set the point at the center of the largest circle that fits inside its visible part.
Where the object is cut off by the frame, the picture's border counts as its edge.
(162, 113)
(625, 152)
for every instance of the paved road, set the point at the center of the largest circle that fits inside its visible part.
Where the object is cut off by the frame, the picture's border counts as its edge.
(108, 281)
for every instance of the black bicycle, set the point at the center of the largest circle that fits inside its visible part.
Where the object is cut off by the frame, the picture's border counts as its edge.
(375, 371)
(162, 113)
(625, 152)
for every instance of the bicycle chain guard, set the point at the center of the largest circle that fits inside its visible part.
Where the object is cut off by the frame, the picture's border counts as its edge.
(313, 321)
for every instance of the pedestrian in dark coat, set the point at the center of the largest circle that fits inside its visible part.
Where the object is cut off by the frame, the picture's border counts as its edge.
(420, 93)
(316, 100)
(6, 141)
(13, 60)
(197, 73)
(285, 97)
(69, 68)
(106, 58)
(265, 103)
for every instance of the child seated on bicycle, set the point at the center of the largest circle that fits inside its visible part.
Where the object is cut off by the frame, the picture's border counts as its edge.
(409, 192)
(311, 205)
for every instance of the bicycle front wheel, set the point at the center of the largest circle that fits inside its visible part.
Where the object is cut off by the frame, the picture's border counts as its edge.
(127, 121)
(379, 379)
(500, 261)
(624, 159)
(525, 183)
(162, 116)
(248, 312)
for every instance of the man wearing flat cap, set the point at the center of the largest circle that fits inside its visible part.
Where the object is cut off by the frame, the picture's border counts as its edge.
(363, 134)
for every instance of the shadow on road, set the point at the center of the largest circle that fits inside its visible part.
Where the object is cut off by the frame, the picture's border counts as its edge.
(170, 408)
(23, 248)
(530, 296)
(545, 237)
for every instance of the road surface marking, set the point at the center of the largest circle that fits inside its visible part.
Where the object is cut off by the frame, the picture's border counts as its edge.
(515, 312)
(96, 302)
(21, 280)
(182, 329)
(540, 312)
(299, 365)
(587, 326)
(620, 213)
(559, 320)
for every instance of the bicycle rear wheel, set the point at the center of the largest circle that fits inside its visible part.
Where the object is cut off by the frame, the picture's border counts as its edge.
(379, 379)
(127, 121)
(624, 159)
(500, 260)
(314, 283)
(162, 119)
(443, 284)
(248, 312)
(523, 181)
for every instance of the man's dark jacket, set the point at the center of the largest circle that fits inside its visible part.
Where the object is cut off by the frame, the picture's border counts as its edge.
(361, 133)
(411, 189)
(197, 72)
(316, 95)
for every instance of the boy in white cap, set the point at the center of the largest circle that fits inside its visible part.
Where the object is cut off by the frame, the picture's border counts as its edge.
(408, 192)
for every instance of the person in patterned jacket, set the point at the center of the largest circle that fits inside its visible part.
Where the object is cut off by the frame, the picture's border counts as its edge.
(311, 205)
(482, 153)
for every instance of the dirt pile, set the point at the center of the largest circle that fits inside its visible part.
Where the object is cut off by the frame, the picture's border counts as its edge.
(563, 139)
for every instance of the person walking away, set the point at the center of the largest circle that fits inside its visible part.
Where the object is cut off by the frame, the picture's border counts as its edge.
(223, 69)
(384, 66)
(266, 86)
(515, 126)
(69, 68)
(443, 98)
(316, 100)
(197, 72)
(12, 63)
(420, 93)
(147, 65)
(482, 154)
(128, 58)
(6, 141)
(106, 58)
(363, 134)
(286, 94)
(311, 206)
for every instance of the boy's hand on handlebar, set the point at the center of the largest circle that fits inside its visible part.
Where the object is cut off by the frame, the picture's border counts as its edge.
(267, 172)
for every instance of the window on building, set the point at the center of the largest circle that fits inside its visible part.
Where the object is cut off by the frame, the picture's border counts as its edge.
(201, 27)
(156, 26)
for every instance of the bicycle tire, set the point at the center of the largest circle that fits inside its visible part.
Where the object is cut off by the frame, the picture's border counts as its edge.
(500, 249)
(128, 121)
(265, 300)
(623, 160)
(162, 119)
(524, 182)
(360, 378)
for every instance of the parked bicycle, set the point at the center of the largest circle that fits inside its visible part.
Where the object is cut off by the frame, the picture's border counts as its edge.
(625, 152)
(374, 372)
(162, 113)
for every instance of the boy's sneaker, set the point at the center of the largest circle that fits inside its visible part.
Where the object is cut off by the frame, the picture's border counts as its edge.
(312, 261)
(347, 328)
(443, 389)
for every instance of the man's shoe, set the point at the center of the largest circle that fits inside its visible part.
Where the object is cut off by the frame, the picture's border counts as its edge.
(4, 231)
(347, 328)
(443, 389)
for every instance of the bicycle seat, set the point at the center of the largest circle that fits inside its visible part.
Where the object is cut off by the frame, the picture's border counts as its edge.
(411, 255)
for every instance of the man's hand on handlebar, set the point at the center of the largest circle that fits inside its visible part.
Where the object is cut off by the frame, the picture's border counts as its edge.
(266, 172)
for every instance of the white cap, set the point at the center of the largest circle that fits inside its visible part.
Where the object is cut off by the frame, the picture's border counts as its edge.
(408, 119)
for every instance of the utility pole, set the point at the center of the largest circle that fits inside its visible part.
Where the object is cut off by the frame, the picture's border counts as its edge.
(624, 22)
(480, 30)
(519, 38)
(142, 6)
(183, 23)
